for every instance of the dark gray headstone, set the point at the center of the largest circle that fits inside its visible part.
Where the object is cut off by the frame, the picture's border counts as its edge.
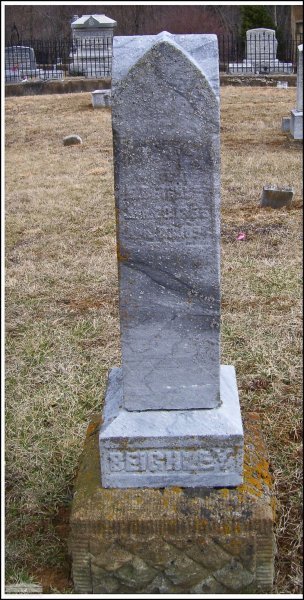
(276, 197)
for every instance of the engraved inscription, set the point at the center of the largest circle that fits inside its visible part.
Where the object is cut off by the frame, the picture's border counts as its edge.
(158, 232)
(164, 206)
(167, 460)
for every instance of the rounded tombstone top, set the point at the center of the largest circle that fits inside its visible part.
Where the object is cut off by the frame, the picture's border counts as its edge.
(88, 21)
(260, 30)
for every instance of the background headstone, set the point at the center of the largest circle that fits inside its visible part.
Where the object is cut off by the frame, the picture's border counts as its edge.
(20, 56)
(276, 197)
(19, 61)
(92, 45)
(261, 54)
(261, 45)
(285, 124)
(300, 79)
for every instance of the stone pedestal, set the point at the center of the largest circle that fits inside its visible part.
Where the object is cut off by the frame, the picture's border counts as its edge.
(157, 448)
(173, 540)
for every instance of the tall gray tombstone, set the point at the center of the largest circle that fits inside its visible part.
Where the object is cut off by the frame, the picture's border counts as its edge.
(167, 196)
(171, 414)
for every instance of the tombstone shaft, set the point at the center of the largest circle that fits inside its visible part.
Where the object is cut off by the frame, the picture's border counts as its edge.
(167, 199)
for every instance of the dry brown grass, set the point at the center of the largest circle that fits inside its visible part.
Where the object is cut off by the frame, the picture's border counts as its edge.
(62, 307)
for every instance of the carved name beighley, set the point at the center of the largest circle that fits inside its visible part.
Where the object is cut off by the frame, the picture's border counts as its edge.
(159, 461)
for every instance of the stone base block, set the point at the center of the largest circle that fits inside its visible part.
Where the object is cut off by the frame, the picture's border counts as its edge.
(173, 540)
(260, 67)
(23, 588)
(101, 98)
(243, 67)
(296, 124)
(157, 448)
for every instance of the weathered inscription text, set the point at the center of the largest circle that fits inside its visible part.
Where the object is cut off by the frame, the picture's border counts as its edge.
(166, 460)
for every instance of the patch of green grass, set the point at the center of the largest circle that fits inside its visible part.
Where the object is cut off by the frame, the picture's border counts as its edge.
(16, 575)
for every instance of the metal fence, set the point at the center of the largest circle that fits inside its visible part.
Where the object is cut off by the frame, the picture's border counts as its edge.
(258, 53)
(35, 59)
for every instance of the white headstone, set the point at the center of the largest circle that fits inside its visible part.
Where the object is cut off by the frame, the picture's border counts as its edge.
(261, 54)
(170, 281)
(261, 45)
(92, 45)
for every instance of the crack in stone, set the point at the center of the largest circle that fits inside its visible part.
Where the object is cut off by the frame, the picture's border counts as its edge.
(174, 283)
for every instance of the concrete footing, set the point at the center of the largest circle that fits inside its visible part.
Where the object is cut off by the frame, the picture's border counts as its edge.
(173, 539)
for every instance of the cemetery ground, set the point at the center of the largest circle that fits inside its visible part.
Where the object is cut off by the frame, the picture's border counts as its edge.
(62, 329)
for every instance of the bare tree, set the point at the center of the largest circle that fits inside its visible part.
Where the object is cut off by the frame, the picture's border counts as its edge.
(49, 22)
